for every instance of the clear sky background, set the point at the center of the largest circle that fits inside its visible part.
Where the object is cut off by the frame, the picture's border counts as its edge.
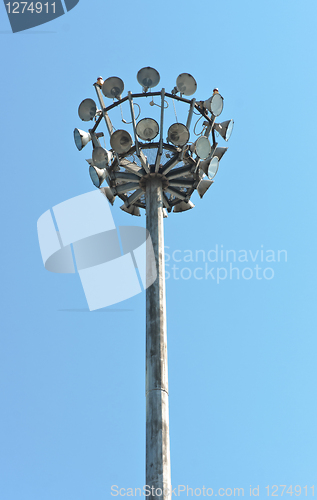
(242, 353)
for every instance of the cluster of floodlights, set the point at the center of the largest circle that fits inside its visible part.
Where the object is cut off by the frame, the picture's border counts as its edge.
(129, 162)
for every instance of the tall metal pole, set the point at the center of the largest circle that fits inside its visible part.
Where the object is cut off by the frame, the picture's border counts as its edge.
(158, 467)
(127, 162)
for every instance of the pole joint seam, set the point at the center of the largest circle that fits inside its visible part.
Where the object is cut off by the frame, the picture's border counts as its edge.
(163, 390)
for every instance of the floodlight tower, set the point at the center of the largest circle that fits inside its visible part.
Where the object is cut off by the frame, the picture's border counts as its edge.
(158, 176)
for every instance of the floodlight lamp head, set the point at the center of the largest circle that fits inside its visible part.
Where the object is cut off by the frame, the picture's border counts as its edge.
(183, 206)
(214, 104)
(132, 210)
(147, 129)
(178, 134)
(81, 138)
(186, 84)
(101, 157)
(213, 167)
(201, 147)
(113, 87)
(97, 175)
(87, 110)
(148, 78)
(224, 129)
(219, 152)
(109, 194)
(121, 141)
(203, 186)
(210, 166)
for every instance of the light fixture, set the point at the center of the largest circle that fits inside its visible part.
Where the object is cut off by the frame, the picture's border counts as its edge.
(101, 157)
(113, 87)
(109, 194)
(125, 166)
(81, 138)
(203, 186)
(214, 104)
(121, 141)
(201, 147)
(183, 206)
(156, 164)
(219, 152)
(178, 134)
(213, 167)
(186, 84)
(210, 166)
(148, 78)
(147, 129)
(132, 210)
(97, 175)
(224, 129)
(87, 110)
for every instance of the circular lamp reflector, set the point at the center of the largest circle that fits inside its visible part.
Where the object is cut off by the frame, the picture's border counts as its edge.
(229, 130)
(186, 84)
(147, 129)
(202, 147)
(213, 167)
(178, 134)
(97, 175)
(112, 87)
(101, 157)
(81, 138)
(224, 129)
(87, 110)
(216, 104)
(121, 141)
(148, 77)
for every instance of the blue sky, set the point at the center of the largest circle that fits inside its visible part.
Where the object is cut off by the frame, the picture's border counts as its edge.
(242, 353)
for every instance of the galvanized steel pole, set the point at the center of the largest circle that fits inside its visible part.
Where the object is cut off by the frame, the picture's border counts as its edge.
(158, 467)
(126, 168)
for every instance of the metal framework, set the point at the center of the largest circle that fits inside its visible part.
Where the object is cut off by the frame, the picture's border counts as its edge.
(158, 176)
